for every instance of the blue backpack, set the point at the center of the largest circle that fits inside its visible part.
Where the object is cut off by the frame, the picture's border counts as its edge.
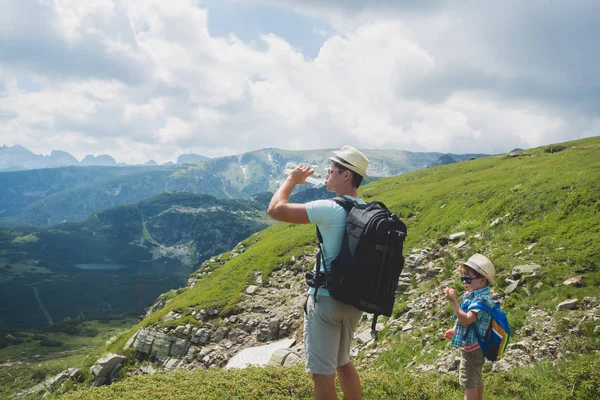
(497, 336)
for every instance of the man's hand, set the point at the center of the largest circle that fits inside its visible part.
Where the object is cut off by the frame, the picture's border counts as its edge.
(299, 175)
(450, 294)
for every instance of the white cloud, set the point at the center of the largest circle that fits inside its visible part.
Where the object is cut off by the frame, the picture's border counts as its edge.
(146, 80)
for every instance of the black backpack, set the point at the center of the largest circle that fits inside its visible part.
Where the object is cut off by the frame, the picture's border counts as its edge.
(365, 273)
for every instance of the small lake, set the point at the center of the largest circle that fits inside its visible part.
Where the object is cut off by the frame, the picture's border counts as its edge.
(102, 266)
(142, 268)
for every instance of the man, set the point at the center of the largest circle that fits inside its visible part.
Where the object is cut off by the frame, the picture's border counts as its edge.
(329, 325)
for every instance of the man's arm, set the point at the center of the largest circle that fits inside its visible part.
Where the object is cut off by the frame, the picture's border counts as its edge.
(280, 208)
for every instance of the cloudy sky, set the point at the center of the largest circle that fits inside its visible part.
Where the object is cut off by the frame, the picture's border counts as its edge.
(152, 79)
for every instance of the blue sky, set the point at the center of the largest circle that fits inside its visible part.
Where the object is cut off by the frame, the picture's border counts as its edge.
(149, 79)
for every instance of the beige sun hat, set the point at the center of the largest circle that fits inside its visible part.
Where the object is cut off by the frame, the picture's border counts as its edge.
(482, 265)
(351, 158)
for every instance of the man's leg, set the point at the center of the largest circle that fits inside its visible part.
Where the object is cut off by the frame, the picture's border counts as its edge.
(324, 387)
(349, 381)
(471, 393)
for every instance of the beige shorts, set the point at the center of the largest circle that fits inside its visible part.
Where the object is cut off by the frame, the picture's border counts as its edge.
(471, 367)
(329, 327)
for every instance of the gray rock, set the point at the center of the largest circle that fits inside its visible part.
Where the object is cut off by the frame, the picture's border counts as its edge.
(172, 315)
(574, 281)
(456, 235)
(148, 369)
(202, 336)
(278, 357)
(512, 286)
(106, 367)
(364, 337)
(172, 363)
(567, 305)
(501, 366)
(251, 289)
(258, 355)
(524, 269)
(291, 359)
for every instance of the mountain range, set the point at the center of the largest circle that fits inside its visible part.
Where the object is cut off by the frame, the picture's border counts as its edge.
(17, 158)
(44, 197)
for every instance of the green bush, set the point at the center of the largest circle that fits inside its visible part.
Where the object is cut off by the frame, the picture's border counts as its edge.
(39, 375)
(51, 343)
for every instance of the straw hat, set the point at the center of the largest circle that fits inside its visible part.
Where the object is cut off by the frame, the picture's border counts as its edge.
(482, 265)
(352, 159)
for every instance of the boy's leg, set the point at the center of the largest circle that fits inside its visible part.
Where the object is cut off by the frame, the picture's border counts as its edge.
(349, 381)
(471, 368)
(475, 393)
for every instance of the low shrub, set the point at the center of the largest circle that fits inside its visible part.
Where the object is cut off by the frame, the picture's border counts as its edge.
(554, 149)
(51, 343)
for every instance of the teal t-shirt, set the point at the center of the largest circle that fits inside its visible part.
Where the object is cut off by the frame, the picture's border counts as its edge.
(330, 217)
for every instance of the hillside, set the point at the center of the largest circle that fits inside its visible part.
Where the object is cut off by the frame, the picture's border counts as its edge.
(119, 259)
(539, 208)
(47, 197)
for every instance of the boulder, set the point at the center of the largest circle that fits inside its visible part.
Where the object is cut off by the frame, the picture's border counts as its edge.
(574, 281)
(258, 355)
(280, 357)
(570, 304)
(105, 369)
(456, 235)
(251, 289)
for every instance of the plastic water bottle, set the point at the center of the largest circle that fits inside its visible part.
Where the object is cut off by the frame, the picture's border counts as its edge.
(315, 179)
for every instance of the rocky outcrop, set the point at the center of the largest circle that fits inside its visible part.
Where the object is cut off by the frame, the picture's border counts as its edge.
(53, 384)
(268, 312)
(106, 368)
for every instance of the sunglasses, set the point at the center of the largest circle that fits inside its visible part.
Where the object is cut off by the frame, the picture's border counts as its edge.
(467, 279)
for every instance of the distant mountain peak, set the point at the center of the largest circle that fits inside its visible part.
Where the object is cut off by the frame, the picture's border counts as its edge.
(102, 159)
(190, 158)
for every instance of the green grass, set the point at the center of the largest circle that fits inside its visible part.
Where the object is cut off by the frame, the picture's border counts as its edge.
(9, 270)
(25, 364)
(578, 378)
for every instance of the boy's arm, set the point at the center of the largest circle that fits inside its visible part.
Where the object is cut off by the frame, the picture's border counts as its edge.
(465, 318)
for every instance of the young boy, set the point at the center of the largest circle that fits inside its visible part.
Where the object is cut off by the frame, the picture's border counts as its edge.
(478, 272)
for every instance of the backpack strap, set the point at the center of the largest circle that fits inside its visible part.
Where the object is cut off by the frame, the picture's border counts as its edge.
(320, 258)
(347, 204)
(478, 304)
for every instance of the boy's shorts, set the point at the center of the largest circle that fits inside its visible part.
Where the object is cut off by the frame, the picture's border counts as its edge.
(329, 327)
(471, 367)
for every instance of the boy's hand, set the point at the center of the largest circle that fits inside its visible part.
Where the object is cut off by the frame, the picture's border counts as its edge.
(450, 294)
(449, 333)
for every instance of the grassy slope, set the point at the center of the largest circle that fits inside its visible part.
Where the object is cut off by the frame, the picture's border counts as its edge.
(553, 201)
(25, 364)
(566, 381)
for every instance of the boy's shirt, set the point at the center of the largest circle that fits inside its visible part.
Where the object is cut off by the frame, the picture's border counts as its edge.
(466, 337)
